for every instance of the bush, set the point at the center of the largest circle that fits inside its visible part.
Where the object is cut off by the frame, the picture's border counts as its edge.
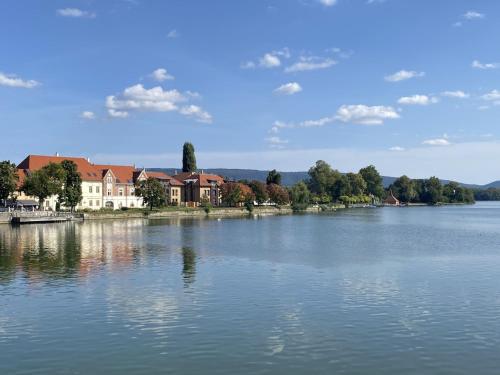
(124, 208)
(249, 206)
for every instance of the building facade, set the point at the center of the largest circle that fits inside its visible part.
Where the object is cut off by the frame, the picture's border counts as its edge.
(200, 187)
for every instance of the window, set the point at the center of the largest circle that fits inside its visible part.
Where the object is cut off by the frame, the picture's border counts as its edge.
(90, 203)
(132, 191)
(120, 192)
(110, 179)
(90, 189)
(109, 192)
(97, 203)
(97, 189)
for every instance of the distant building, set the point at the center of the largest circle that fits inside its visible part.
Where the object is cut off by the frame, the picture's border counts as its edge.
(391, 200)
(198, 187)
(173, 187)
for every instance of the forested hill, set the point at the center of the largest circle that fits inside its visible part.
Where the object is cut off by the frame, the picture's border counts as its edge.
(290, 178)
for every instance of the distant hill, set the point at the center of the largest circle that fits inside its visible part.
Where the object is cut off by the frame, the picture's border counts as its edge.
(291, 178)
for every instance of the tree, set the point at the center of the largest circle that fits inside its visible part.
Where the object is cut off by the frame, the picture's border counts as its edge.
(357, 183)
(278, 194)
(341, 187)
(71, 193)
(235, 193)
(300, 196)
(373, 181)
(403, 188)
(273, 177)
(45, 182)
(322, 178)
(260, 191)
(188, 158)
(433, 191)
(8, 180)
(152, 192)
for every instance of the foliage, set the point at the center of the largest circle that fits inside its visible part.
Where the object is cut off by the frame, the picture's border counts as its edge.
(278, 194)
(454, 193)
(260, 191)
(490, 194)
(300, 196)
(340, 187)
(356, 183)
(403, 189)
(71, 193)
(8, 179)
(433, 191)
(322, 178)
(188, 158)
(44, 182)
(235, 193)
(206, 204)
(152, 193)
(373, 181)
(273, 177)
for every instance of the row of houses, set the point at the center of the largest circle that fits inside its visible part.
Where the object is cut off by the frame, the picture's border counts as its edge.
(113, 186)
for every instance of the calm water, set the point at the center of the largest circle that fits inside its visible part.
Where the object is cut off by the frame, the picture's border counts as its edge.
(375, 291)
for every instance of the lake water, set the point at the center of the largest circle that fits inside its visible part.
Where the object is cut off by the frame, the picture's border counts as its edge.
(362, 291)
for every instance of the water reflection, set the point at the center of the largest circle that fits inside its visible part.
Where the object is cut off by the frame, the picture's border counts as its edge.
(188, 265)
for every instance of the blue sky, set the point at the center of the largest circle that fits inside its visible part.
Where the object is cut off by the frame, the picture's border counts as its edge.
(407, 85)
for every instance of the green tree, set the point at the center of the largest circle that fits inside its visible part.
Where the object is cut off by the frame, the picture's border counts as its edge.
(45, 182)
(273, 177)
(341, 187)
(403, 188)
(152, 192)
(71, 193)
(322, 178)
(231, 194)
(8, 180)
(188, 158)
(260, 191)
(357, 183)
(278, 194)
(373, 181)
(300, 196)
(433, 191)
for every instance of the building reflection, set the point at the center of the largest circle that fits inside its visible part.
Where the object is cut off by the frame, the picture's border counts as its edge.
(188, 265)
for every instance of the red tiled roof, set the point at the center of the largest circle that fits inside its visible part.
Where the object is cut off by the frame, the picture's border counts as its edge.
(35, 162)
(124, 173)
(203, 178)
(164, 176)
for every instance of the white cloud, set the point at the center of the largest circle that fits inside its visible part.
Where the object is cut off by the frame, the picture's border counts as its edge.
(14, 81)
(492, 96)
(307, 63)
(455, 94)
(87, 115)
(161, 75)
(156, 99)
(473, 15)
(403, 75)
(485, 66)
(366, 115)
(436, 142)
(396, 148)
(328, 3)
(195, 111)
(172, 34)
(288, 89)
(269, 61)
(75, 13)
(118, 114)
(417, 100)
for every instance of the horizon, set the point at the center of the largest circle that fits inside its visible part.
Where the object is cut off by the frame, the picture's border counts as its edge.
(269, 85)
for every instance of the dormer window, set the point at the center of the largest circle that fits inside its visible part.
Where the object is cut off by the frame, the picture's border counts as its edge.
(110, 179)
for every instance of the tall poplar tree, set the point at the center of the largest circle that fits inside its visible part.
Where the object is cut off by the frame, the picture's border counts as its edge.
(188, 158)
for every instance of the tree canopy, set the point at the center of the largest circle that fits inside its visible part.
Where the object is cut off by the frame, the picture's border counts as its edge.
(188, 158)
(404, 189)
(373, 181)
(8, 179)
(273, 177)
(300, 196)
(152, 192)
(260, 191)
(71, 193)
(44, 182)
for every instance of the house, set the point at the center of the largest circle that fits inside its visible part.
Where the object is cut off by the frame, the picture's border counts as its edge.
(91, 180)
(200, 187)
(391, 200)
(103, 186)
(173, 187)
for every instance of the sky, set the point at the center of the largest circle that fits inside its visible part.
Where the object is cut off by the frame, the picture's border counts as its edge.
(410, 86)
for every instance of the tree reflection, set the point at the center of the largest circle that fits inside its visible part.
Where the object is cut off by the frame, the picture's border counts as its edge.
(188, 265)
